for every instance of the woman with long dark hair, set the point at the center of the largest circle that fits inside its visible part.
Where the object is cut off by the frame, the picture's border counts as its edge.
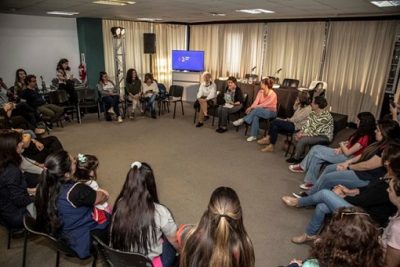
(133, 90)
(14, 197)
(351, 239)
(150, 92)
(65, 206)
(220, 238)
(364, 168)
(139, 222)
(19, 84)
(354, 146)
(373, 198)
(65, 80)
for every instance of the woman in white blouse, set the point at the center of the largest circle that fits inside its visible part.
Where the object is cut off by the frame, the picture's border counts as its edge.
(150, 91)
(207, 92)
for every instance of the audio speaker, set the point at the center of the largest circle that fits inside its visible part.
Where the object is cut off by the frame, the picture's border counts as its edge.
(149, 43)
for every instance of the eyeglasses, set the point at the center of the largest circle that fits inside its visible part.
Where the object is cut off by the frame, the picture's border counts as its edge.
(353, 213)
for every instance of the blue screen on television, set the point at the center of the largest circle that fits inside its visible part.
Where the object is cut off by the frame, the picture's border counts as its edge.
(188, 60)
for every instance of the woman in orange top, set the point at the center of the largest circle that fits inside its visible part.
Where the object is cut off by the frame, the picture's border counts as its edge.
(264, 106)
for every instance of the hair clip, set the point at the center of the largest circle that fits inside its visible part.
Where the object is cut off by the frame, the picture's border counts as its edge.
(137, 164)
(82, 158)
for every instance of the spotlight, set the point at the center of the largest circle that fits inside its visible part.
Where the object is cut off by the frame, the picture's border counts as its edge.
(117, 32)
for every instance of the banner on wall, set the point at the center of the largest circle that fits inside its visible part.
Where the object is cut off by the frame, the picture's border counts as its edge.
(82, 70)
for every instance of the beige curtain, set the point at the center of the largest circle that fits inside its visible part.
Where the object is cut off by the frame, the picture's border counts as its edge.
(357, 62)
(230, 49)
(297, 48)
(168, 37)
(135, 57)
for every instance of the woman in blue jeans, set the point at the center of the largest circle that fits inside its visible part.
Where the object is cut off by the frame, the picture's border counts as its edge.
(360, 170)
(354, 146)
(264, 107)
(372, 198)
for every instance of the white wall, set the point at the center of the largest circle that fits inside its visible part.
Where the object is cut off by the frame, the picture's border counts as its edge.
(36, 44)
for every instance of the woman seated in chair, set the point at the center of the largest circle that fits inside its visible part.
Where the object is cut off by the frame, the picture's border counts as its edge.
(150, 91)
(373, 198)
(354, 146)
(19, 84)
(207, 92)
(231, 101)
(65, 207)
(301, 111)
(220, 238)
(263, 107)
(65, 80)
(351, 239)
(139, 222)
(133, 90)
(110, 96)
(317, 129)
(360, 170)
(14, 191)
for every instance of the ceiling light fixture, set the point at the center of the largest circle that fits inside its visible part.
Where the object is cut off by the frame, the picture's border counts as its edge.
(255, 11)
(386, 3)
(114, 2)
(149, 19)
(62, 13)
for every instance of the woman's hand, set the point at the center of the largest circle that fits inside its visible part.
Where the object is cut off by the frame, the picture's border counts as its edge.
(298, 135)
(38, 145)
(248, 110)
(338, 190)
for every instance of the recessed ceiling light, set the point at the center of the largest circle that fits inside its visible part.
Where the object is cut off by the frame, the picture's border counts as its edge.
(214, 14)
(149, 19)
(255, 11)
(114, 2)
(62, 13)
(386, 3)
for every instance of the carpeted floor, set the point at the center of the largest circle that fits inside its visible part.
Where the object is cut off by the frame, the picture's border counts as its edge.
(189, 163)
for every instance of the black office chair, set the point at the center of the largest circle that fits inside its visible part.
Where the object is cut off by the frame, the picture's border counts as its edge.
(10, 233)
(163, 99)
(87, 98)
(59, 245)
(117, 258)
(290, 83)
(60, 98)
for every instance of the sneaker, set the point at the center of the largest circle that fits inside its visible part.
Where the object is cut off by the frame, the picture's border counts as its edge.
(306, 186)
(263, 141)
(296, 168)
(268, 148)
(111, 111)
(301, 239)
(290, 201)
(238, 122)
(120, 119)
(251, 138)
(293, 161)
(300, 194)
(221, 130)
(199, 124)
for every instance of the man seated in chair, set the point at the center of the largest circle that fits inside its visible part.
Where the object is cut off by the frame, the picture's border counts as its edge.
(207, 92)
(318, 129)
(150, 91)
(36, 101)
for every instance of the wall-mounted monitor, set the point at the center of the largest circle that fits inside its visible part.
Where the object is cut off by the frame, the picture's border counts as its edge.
(184, 60)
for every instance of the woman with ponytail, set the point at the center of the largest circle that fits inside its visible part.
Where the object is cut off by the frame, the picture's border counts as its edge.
(65, 206)
(139, 222)
(220, 238)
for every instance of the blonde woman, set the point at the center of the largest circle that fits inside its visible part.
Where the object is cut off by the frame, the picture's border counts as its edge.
(207, 92)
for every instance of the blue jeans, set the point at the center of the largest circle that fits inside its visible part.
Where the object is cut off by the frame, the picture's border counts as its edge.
(111, 101)
(150, 103)
(330, 177)
(254, 116)
(318, 155)
(168, 256)
(327, 202)
(279, 126)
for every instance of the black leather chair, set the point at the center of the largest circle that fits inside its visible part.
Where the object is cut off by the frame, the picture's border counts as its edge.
(87, 98)
(59, 245)
(116, 258)
(290, 83)
(175, 96)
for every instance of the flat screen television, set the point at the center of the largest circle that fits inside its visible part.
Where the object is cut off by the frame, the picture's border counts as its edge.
(184, 60)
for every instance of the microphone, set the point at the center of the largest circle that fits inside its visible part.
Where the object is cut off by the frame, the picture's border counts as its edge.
(255, 67)
(279, 70)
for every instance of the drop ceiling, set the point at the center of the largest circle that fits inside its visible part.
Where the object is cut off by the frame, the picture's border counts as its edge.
(194, 11)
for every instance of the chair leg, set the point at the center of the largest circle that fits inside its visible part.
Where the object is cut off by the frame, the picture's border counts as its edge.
(174, 110)
(25, 248)
(79, 114)
(58, 259)
(183, 113)
(9, 239)
(195, 114)
(98, 111)
(246, 130)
